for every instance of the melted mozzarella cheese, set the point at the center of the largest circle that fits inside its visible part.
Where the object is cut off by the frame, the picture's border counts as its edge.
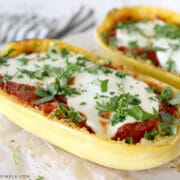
(88, 83)
(123, 38)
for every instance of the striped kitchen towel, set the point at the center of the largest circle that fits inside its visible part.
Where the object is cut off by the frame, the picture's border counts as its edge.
(25, 26)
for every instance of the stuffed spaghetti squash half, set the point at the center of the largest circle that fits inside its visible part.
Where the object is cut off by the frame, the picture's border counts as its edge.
(98, 110)
(147, 39)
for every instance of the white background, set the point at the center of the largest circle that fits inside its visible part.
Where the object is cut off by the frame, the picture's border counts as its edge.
(55, 8)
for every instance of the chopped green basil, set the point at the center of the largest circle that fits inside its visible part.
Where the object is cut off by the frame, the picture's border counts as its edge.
(133, 44)
(40, 178)
(167, 30)
(83, 103)
(121, 74)
(151, 135)
(131, 53)
(113, 41)
(6, 77)
(24, 88)
(104, 85)
(129, 140)
(139, 114)
(81, 60)
(119, 105)
(105, 36)
(170, 64)
(64, 52)
(23, 61)
(15, 151)
(69, 114)
(175, 100)
(165, 94)
(167, 130)
(4, 58)
(166, 117)
(116, 119)
(157, 48)
(53, 49)
(144, 56)
(47, 95)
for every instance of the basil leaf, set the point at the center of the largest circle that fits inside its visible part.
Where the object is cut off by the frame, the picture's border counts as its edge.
(136, 112)
(170, 65)
(166, 130)
(134, 100)
(166, 117)
(104, 85)
(113, 41)
(105, 35)
(175, 100)
(64, 52)
(167, 30)
(121, 74)
(129, 140)
(165, 94)
(69, 114)
(133, 44)
(23, 61)
(157, 48)
(3, 59)
(151, 135)
(44, 99)
(116, 119)
(139, 114)
(39, 91)
(52, 90)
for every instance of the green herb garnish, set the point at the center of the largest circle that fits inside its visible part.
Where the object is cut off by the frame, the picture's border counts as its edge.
(119, 105)
(175, 100)
(165, 94)
(143, 56)
(69, 114)
(47, 95)
(23, 61)
(83, 103)
(104, 85)
(133, 44)
(113, 41)
(167, 30)
(170, 65)
(4, 58)
(166, 117)
(129, 140)
(151, 135)
(15, 154)
(40, 178)
(53, 49)
(121, 74)
(64, 52)
(105, 36)
(139, 114)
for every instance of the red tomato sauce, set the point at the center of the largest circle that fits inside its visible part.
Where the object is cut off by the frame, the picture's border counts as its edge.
(25, 93)
(135, 130)
(151, 54)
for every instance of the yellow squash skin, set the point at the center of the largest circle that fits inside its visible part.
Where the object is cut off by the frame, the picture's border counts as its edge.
(119, 155)
(138, 13)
